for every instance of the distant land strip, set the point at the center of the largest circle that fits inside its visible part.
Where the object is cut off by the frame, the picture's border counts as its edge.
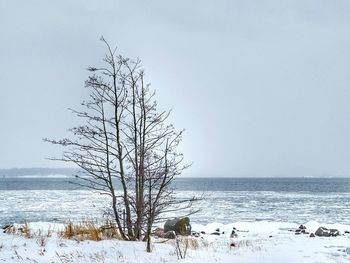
(37, 171)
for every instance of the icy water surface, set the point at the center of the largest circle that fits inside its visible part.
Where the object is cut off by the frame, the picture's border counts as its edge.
(226, 200)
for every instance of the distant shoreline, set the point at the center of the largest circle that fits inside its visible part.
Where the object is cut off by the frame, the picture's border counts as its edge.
(69, 172)
(41, 172)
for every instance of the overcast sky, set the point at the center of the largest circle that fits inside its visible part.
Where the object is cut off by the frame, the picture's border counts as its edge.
(262, 87)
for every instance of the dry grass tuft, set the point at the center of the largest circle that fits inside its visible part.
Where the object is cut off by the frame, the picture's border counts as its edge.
(192, 243)
(89, 230)
(23, 230)
(184, 243)
(84, 230)
(10, 230)
(43, 237)
(26, 232)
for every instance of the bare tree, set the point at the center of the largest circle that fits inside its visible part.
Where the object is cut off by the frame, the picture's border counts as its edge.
(157, 162)
(97, 147)
(126, 142)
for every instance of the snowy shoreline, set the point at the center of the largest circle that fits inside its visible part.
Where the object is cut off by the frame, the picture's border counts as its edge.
(256, 242)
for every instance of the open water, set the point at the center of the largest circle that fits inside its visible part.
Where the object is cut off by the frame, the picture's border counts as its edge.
(226, 200)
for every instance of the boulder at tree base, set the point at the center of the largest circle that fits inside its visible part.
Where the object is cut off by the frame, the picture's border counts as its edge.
(181, 226)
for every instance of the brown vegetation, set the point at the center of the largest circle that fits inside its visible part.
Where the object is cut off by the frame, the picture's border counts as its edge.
(89, 230)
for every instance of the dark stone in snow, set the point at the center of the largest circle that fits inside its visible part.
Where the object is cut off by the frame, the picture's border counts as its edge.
(334, 232)
(181, 226)
(302, 227)
(195, 234)
(324, 232)
(233, 234)
(159, 232)
(170, 235)
(7, 228)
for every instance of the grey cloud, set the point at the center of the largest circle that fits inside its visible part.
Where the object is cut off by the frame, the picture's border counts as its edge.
(262, 87)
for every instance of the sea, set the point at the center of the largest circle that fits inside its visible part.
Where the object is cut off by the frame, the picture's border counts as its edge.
(222, 200)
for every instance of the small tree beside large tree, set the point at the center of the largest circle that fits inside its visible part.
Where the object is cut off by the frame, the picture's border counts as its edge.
(126, 142)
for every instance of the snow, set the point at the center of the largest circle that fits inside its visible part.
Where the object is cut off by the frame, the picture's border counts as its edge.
(262, 242)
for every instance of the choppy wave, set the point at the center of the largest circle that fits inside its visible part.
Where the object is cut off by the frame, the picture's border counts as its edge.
(221, 207)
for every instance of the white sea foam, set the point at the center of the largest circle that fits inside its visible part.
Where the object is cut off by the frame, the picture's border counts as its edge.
(222, 207)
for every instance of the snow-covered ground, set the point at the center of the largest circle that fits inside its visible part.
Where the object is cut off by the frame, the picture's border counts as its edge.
(256, 242)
